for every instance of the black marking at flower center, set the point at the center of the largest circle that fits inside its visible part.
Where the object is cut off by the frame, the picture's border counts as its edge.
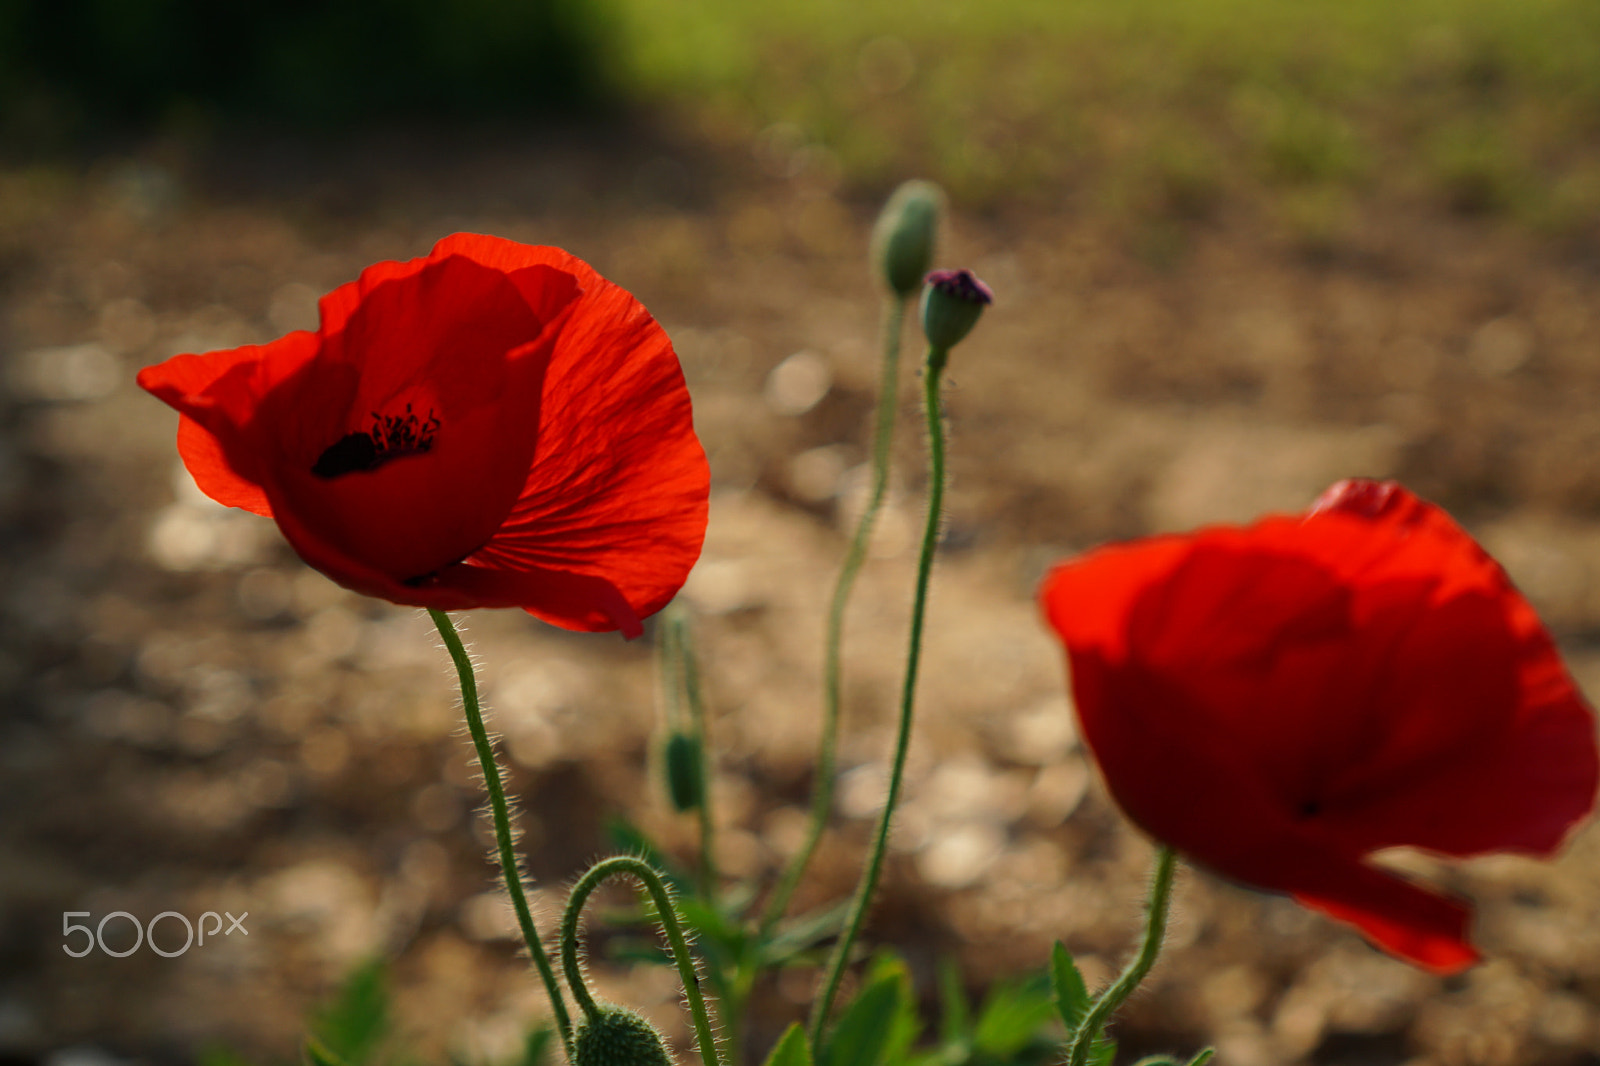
(391, 437)
(1308, 809)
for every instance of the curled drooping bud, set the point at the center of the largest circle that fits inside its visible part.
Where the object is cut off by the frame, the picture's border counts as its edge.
(903, 238)
(616, 1036)
(686, 785)
(952, 302)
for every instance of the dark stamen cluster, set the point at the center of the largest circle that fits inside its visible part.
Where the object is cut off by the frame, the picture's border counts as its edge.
(397, 435)
(391, 437)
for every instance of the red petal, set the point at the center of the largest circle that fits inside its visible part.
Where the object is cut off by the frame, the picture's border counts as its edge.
(1426, 929)
(1186, 784)
(208, 464)
(351, 571)
(217, 394)
(1279, 700)
(1419, 926)
(454, 341)
(1493, 747)
(618, 490)
(575, 601)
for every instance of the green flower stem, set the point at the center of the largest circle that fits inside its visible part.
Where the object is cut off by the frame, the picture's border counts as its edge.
(502, 821)
(653, 883)
(671, 666)
(880, 843)
(690, 676)
(894, 313)
(1106, 1004)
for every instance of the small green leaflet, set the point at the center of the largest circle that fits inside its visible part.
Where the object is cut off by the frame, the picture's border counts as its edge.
(1013, 1013)
(1200, 1059)
(881, 1024)
(793, 1049)
(956, 1024)
(1072, 995)
(863, 1032)
(351, 1028)
(536, 1049)
(317, 1055)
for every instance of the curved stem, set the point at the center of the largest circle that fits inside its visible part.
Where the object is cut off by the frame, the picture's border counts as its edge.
(502, 821)
(1106, 1004)
(880, 843)
(651, 878)
(894, 311)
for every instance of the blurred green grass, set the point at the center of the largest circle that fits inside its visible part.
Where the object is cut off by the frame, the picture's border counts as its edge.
(1303, 115)
(1184, 108)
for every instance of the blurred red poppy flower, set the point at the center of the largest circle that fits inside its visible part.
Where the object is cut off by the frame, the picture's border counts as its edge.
(494, 425)
(1279, 701)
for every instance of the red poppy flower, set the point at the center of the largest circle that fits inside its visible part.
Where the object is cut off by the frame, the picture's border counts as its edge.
(495, 425)
(1279, 701)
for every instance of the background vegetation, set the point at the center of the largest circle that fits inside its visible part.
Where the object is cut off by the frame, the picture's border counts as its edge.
(1181, 108)
(75, 67)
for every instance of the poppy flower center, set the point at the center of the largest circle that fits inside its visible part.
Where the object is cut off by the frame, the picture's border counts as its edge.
(391, 437)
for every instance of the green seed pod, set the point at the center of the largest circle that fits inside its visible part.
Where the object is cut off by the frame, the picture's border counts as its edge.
(686, 784)
(951, 305)
(903, 238)
(617, 1036)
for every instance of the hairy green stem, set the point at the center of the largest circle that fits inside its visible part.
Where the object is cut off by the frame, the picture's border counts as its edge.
(894, 312)
(502, 821)
(1106, 1004)
(654, 884)
(880, 843)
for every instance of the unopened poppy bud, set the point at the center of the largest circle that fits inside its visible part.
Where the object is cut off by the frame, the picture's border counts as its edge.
(616, 1036)
(903, 238)
(686, 785)
(951, 305)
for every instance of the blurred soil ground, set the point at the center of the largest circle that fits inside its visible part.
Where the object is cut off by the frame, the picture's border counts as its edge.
(194, 721)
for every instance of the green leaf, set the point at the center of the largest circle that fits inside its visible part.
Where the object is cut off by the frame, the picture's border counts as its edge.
(881, 1023)
(724, 943)
(1072, 995)
(354, 1024)
(1012, 1015)
(1203, 1056)
(737, 897)
(318, 1055)
(803, 932)
(792, 1049)
(637, 949)
(221, 1056)
(955, 1023)
(536, 1049)
(907, 1025)
(711, 922)
(1104, 1052)
(864, 1029)
(631, 840)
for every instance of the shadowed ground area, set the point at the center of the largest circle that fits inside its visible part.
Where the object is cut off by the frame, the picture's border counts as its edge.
(194, 721)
